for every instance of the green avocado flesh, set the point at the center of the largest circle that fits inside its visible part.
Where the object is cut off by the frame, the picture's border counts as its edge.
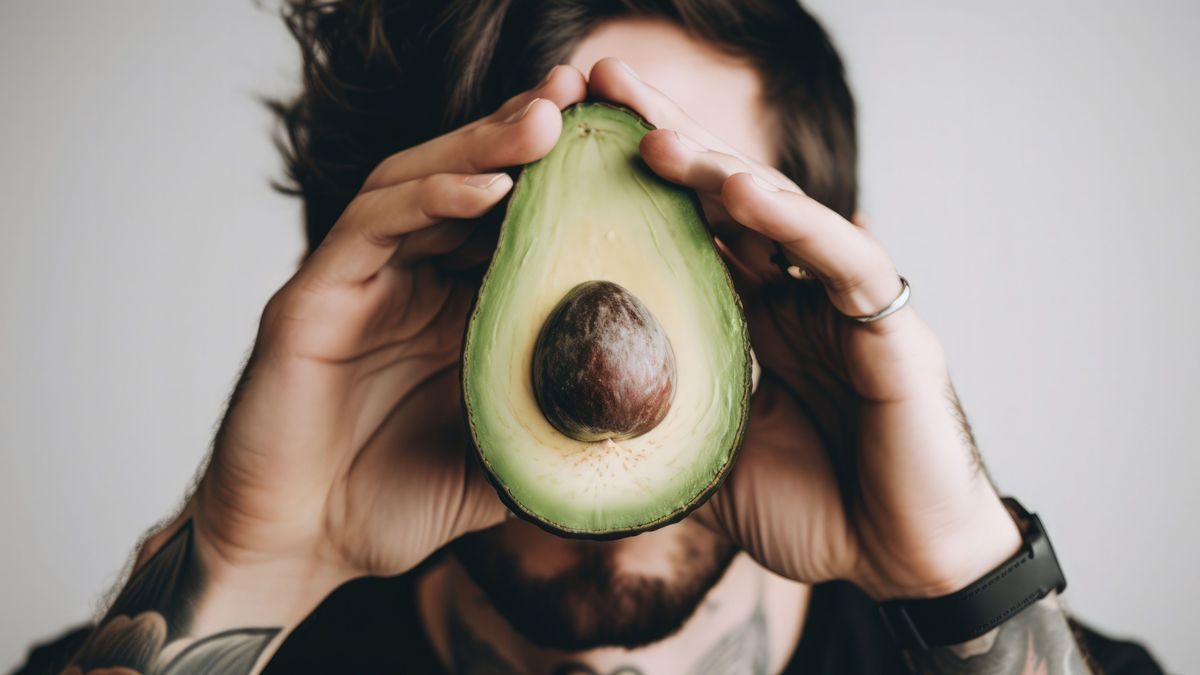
(592, 211)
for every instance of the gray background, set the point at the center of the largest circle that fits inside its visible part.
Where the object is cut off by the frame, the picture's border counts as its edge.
(1032, 166)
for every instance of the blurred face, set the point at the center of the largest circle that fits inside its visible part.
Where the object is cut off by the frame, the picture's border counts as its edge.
(575, 595)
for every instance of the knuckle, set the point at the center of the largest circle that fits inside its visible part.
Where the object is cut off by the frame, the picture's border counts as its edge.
(858, 277)
(439, 196)
(651, 108)
(570, 80)
(445, 196)
(361, 208)
(429, 188)
(278, 306)
(845, 283)
(738, 201)
(656, 149)
(428, 196)
(475, 145)
(730, 164)
(527, 140)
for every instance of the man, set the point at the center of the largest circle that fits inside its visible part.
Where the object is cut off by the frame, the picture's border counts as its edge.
(343, 463)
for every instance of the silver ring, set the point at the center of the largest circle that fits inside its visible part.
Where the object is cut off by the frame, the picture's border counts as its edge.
(900, 301)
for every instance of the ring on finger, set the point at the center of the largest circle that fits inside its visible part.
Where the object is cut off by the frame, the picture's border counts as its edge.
(801, 273)
(900, 301)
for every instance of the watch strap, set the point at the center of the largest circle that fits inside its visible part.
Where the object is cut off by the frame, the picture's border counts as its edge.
(1029, 576)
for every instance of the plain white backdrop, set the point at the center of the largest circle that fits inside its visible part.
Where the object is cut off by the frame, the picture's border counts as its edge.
(1032, 166)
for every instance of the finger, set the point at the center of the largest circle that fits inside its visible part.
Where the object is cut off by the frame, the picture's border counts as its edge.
(368, 233)
(563, 85)
(680, 160)
(613, 80)
(435, 240)
(523, 130)
(857, 273)
(525, 136)
(684, 160)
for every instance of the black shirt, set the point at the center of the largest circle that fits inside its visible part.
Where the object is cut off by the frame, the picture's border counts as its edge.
(372, 626)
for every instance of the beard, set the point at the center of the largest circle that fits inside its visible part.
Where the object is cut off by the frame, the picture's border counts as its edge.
(593, 603)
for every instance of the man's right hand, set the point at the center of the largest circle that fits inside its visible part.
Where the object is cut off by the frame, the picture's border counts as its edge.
(344, 452)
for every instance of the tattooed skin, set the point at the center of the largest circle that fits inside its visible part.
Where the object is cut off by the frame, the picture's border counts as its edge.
(1038, 641)
(147, 630)
(741, 651)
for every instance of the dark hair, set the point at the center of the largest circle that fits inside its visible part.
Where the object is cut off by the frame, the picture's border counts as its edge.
(384, 75)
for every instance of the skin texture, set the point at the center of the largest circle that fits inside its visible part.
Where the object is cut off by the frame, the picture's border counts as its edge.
(343, 451)
(872, 490)
(858, 463)
(603, 366)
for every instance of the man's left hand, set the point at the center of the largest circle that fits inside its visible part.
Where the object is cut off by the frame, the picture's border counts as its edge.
(858, 463)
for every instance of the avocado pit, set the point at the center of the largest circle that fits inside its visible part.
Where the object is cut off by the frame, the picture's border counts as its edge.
(603, 367)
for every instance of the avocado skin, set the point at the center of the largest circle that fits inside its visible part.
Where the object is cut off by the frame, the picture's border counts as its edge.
(743, 408)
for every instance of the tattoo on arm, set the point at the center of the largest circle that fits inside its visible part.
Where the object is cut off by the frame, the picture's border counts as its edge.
(1038, 641)
(148, 629)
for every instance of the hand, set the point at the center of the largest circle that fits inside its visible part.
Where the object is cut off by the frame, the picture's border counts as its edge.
(857, 462)
(344, 452)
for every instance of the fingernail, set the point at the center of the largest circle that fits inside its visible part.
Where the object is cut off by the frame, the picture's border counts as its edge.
(689, 143)
(484, 181)
(522, 112)
(546, 79)
(763, 184)
(629, 70)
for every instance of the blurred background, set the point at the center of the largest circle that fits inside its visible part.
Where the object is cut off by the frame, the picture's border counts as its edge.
(1032, 166)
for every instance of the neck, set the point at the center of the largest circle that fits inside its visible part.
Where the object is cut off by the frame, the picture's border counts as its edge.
(748, 623)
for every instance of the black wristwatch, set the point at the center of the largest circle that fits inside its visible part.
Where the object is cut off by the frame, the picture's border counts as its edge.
(1029, 576)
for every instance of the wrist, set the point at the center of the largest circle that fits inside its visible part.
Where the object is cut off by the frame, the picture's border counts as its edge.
(277, 582)
(994, 599)
(187, 603)
(275, 592)
(951, 561)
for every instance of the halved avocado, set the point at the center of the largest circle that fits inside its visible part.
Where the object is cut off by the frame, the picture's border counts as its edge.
(606, 365)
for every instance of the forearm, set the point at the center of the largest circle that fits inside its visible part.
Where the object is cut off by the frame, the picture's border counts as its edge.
(1035, 642)
(183, 612)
